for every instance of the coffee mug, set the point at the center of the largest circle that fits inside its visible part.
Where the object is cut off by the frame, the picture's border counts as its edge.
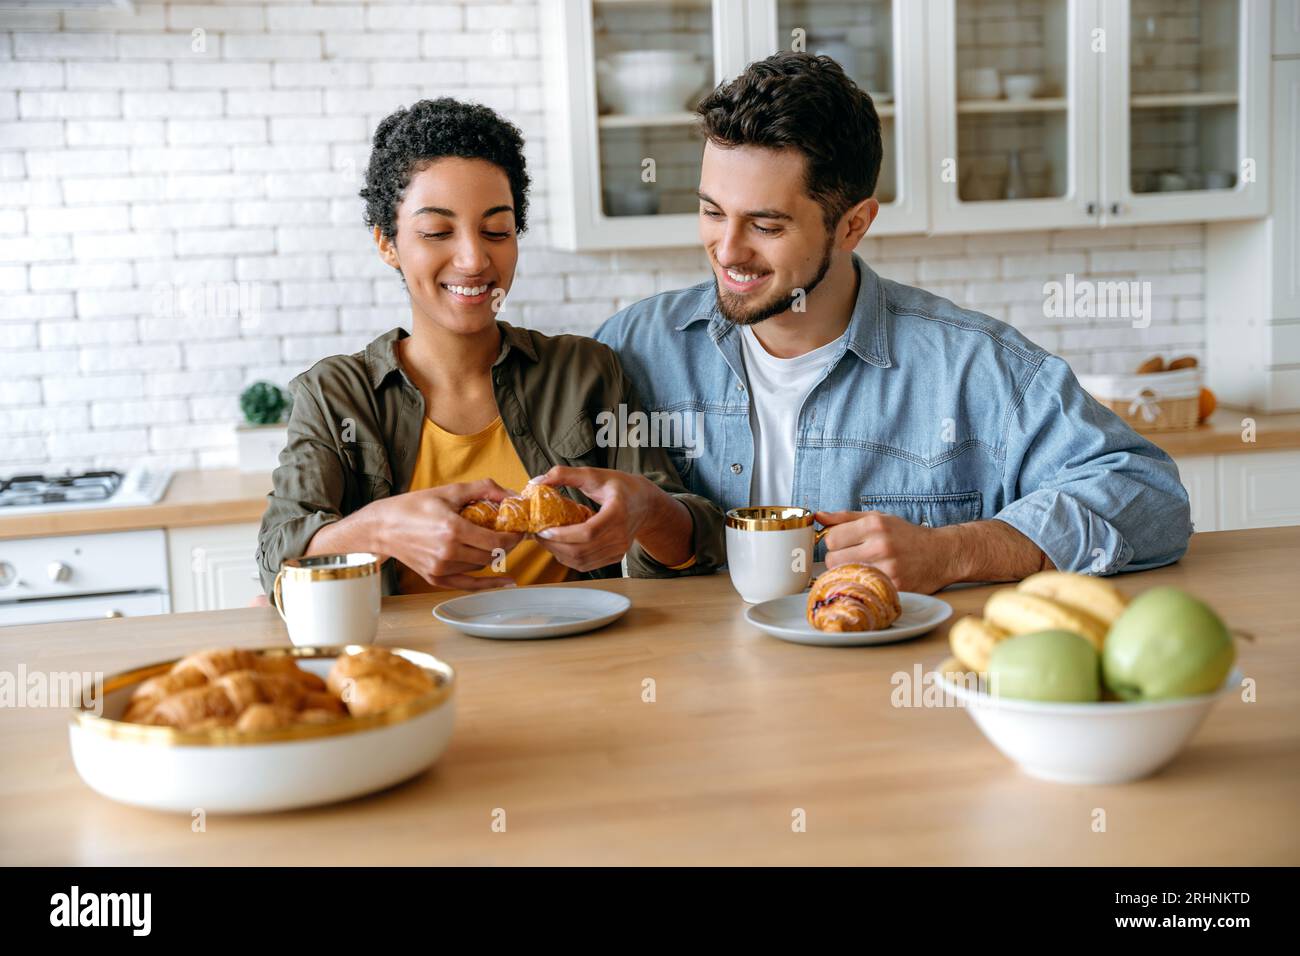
(329, 598)
(770, 550)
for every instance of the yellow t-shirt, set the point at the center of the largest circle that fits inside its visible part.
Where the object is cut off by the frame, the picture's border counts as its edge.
(446, 459)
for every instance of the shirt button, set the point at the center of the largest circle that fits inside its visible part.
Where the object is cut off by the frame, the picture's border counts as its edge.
(497, 378)
(740, 386)
(736, 468)
(518, 429)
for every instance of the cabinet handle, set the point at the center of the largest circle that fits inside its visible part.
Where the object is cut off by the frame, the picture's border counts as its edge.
(1091, 209)
(114, 614)
(1114, 209)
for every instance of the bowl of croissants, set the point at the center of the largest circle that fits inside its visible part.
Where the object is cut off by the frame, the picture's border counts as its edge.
(234, 730)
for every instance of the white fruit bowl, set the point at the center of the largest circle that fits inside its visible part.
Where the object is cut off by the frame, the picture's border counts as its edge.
(227, 771)
(1102, 743)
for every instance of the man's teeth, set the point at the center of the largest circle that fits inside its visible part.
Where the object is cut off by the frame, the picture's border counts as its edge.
(741, 276)
(467, 289)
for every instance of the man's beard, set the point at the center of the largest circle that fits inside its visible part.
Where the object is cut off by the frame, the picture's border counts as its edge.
(733, 311)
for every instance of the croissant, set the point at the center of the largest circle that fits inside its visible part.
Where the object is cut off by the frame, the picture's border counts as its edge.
(219, 688)
(375, 679)
(853, 597)
(538, 508)
(206, 666)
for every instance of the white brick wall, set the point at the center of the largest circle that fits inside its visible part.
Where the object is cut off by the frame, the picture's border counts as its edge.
(178, 222)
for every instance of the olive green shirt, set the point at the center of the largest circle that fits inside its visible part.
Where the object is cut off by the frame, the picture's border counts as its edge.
(354, 435)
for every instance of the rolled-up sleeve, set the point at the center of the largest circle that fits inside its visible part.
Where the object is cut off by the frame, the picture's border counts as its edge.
(1094, 495)
(307, 486)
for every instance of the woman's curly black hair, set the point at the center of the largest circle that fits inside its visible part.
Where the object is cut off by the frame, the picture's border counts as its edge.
(408, 139)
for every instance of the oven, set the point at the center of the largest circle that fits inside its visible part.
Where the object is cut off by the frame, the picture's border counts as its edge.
(83, 576)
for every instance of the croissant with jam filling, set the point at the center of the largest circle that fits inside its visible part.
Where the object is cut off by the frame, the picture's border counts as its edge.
(853, 597)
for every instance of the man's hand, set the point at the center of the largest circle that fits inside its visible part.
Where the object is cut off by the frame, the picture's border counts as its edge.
(924, 559)
(632, 508)
(424, 530)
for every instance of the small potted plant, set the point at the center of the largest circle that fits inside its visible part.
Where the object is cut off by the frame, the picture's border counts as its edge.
(263, 433)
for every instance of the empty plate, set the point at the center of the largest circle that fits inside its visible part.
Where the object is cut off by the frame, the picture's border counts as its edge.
(787, 619)
(537, 611)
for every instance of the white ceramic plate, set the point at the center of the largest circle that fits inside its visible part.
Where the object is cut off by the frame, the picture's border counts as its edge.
(787, 618)
(224, 771)
(534, 611)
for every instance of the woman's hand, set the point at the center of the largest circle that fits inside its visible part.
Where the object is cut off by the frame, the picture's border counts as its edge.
(632, 508)
(424, 530)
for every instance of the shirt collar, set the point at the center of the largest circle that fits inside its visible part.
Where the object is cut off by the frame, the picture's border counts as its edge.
(381, 354)
(867, 334)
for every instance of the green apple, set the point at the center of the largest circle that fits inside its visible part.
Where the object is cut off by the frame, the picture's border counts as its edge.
(1045, 665)
(1166, 644)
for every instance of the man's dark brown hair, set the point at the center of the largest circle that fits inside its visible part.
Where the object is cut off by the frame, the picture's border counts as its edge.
(808, 103)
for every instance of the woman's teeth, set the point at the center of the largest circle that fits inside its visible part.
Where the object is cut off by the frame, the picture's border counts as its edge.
(466, 289)
(741, 276)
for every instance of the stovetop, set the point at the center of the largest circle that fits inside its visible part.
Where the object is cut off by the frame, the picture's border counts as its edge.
(49, 489)
(89, 489)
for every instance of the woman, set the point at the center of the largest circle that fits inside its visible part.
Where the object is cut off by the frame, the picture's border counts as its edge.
(387, 445)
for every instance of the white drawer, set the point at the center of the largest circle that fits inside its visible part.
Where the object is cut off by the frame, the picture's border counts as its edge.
(82, 608)
(1259, 489)
(94, 563)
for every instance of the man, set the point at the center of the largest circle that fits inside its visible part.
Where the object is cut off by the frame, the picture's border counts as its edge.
(936, 443)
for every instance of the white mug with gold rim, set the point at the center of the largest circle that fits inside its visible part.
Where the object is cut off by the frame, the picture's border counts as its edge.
(329, 598)
(770, 550)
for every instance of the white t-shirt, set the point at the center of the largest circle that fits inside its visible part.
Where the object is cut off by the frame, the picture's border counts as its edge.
(777, 389)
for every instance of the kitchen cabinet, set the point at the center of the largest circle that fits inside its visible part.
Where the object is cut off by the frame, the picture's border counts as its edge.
(212, 566)
(1134, 112)
(1286, 27)
(1258, 490)
(623, 156)
(1044, 114)
(1199, 474)
(881, 45)
(1246, 490)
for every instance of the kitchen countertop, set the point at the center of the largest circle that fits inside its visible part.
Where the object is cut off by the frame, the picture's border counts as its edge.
(228, 496)
(193, 497)
(744, 729)
(1222, 434)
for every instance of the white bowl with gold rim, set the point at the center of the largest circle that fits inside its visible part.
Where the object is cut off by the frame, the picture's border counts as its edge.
(227, 771)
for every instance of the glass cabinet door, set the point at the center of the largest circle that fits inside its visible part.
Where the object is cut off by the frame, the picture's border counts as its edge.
(654, 60)
(622, 79)
(880, 45)
(1014, 113)
(1181, 101)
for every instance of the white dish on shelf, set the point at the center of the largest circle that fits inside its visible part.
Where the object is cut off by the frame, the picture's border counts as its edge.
(648, 82)
(228, 771)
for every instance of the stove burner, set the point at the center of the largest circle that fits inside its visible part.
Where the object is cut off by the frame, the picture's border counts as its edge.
(46, 489)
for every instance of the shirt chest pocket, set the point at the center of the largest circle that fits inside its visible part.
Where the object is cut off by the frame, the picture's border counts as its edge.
(577, 444)
(369, 474)
(931, 511)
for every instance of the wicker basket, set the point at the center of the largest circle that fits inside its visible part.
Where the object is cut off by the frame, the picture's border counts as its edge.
(1154, 402)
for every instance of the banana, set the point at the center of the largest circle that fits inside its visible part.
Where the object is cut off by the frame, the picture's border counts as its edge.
(972, 640)
(1095, 597)
(1020, 613)
(954, 670)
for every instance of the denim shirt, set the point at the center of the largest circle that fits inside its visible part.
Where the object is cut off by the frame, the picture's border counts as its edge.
(928, 411)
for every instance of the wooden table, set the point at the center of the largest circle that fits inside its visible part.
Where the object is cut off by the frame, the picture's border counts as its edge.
(744, 730)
